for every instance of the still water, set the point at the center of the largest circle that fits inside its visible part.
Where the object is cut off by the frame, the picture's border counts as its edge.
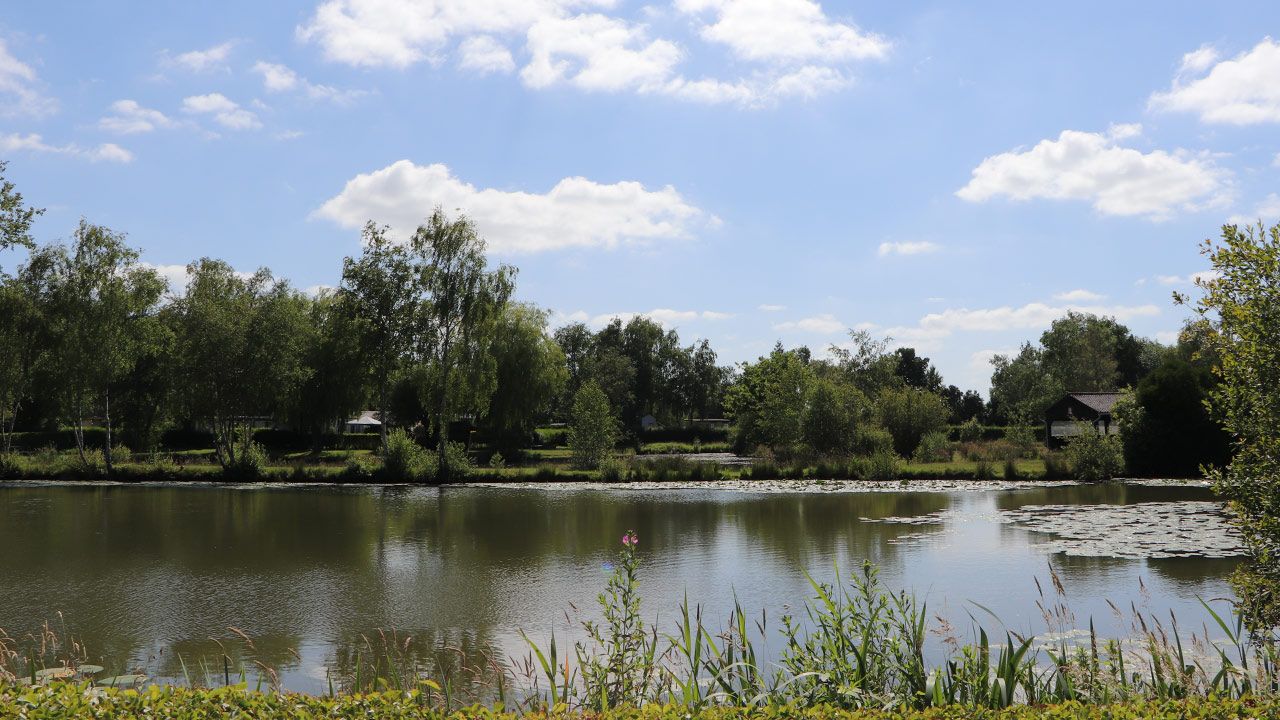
(145, 575)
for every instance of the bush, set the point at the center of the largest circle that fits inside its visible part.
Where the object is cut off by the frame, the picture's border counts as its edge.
(613, 470)
(406, 460)
(1023, 439)
(882, 465)
(984, 471)
(593, 430)
(871, 440)
(969, 431)
(909, 414)
(933, 447)
(250, 463)
(1093, 456)
(1056, 467)
(455, 454)
(1011, 469)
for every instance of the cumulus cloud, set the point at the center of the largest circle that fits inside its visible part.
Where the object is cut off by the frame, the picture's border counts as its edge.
(576, 212)
(278, 78)
(106, 152)
(1239, 91)
(825, 324)
(792, 47)
(922, 247)
(771, 308)
(1268, 211)
(128, 117)
(485, 55)
(1093, 167)
(213, 58)
(225, 112)
(1079, 296)
(784, 30)
(18, 94)
(1029, 316)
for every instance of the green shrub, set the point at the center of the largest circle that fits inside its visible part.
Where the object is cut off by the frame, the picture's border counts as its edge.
(984, 471)
(871, 440)
(496, 461)
(593, 429)
(250, 463)
(1023, 439)
(1011, 469)
(613, 470)
(933, 447)
(1094, 457)
(882, 465)
(969, 431)
(1056, 467)
(406, 460)
(455, 454)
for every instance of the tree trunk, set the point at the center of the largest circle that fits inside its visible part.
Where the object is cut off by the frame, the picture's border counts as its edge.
(442, 428)
(78, 431)
(106, 412)
(382, 418)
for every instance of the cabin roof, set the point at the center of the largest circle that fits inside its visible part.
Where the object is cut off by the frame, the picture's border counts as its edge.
(1100, 401)
(1082, 405)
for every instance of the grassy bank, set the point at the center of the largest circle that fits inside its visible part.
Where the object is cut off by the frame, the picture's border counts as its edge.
(355, 467)
(65, 700)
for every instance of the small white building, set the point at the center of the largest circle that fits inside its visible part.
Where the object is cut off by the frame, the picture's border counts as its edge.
(367, 421)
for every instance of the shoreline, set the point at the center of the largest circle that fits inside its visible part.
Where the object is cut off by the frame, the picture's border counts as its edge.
(806, 486)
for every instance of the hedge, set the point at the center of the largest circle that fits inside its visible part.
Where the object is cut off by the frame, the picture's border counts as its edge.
(82, 701)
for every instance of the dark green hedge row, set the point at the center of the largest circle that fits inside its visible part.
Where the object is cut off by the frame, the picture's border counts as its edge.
(992, 432)
(81, 701)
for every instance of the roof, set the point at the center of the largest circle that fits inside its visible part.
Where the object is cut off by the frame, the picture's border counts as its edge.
(1100, 401)
(366, 417)
(1082, 406)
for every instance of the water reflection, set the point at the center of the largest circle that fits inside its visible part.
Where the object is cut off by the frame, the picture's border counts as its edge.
(155, 576)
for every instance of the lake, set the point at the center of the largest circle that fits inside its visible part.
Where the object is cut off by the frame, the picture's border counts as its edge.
(145, 575)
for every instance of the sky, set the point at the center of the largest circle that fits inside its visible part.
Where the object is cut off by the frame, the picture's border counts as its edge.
(953, 176)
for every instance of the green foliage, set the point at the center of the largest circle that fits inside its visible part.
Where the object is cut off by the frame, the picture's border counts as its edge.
(249, 464)
(592, 429)
(934, 447)
(1166, 427)
(1093, 456)
(530, 370)
(882, 465)
(405, 460)
(909, 414)
(15, 216)
(869, 440)
(1244, 300)
(828, 422)
(969, 431)
(1023, 439)
(768, 400)
(1021, 388)
(456, 459)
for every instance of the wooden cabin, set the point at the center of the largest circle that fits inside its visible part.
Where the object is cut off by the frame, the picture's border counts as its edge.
(1063, 418)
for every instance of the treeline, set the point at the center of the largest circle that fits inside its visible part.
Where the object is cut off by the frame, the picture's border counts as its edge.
(425, 331)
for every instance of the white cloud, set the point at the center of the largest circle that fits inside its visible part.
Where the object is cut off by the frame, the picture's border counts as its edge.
(1192, 279)
(784, 31)
(1032, 315)
(225, 111)
(1268, 211)
(1239, 91)
(793, 47)
(577, 212)
(128, 117)
(106, 152)
(922, 247)
(771, 308)
(214, 58)
(595, 52)
(1093, 167)
(663, 316)
(825, 324)
(18, 94)
(176, 276)
(1168, 337)
(1079, 296)
(485, 55)
(278, 78)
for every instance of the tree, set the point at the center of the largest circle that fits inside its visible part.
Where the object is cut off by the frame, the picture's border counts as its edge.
(1022, 388)
(380, 294)
(768, 400)
(240, 345)
(1243, 303)
(909, 414)
(576, 342)
(462, 302)
(25, 304)
(336, 377)
(103, 298)
(828, 425)
(916, 371)
(867, 363)
(592, 427)
(15, 216)
(1166, 429)
(963, 405)
(702, 380)
(1080, 351)
(531, 373)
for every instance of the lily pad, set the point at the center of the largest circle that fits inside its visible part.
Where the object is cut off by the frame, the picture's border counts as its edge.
(58, 673)
(88, 669)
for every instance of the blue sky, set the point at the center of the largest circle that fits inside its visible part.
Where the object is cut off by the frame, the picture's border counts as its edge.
(951, 175)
